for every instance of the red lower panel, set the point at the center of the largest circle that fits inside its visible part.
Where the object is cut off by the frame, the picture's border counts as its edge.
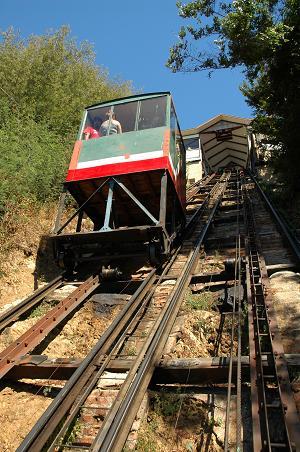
(115, 169)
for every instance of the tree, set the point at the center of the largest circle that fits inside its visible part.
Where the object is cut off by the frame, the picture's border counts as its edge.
(262, 37)
(45, 82)
(51, 78)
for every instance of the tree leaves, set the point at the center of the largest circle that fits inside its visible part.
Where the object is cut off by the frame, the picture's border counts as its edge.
(45, 83)
(262, 37)
(53, 78)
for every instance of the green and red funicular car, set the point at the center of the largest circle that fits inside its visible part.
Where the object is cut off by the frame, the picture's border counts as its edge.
(127, 175)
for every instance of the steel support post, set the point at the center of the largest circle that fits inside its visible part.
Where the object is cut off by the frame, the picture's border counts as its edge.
(80, 208)
(163, 199)
(79, 221)
(108, 206)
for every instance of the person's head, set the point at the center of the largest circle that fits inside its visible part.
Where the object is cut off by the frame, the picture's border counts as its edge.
(109, 114)
(96, 122)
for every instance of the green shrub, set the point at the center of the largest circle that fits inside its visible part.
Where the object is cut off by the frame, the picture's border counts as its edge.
(204, 301)
(33, 161)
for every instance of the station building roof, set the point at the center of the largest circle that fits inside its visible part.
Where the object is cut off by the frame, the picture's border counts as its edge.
(224, 140)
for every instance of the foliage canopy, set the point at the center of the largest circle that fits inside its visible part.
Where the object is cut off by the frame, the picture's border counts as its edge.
(262, 37)
(45, 82)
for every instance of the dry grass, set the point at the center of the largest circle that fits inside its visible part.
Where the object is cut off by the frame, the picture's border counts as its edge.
(178, 422)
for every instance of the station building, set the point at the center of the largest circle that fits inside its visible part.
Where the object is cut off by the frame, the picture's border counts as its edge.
(222, 141)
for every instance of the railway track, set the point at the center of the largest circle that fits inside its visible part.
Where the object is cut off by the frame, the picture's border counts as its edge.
(149, 315)
(275, 418)
(225, 205)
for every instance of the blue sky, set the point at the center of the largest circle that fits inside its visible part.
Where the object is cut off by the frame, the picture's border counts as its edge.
(131, 39)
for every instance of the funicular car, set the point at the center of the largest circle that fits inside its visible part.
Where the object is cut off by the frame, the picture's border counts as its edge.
(128, 183)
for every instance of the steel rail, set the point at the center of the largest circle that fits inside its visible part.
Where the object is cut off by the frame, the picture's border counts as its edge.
(228, 401)
(239, 350)
(255, 404)
(265, 341)
(12, 314)
(257, 385)
(285, 229)
(109, 355)
(116, 426)
(108, 352)
(203, 205)
(236, 303)
(32, 337)
(189, 226)
(197, 186)
(42, 430)
(52, 416)
(239, 362)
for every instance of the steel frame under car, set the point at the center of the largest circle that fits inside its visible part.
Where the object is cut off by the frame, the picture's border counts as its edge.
(108, 242)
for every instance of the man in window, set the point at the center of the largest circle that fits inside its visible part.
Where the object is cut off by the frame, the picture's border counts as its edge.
(110, 126)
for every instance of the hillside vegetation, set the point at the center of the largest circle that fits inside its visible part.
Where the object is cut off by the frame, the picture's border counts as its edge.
(45, 82)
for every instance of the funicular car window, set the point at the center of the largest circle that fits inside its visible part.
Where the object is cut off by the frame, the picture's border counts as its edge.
(152, 113)
(126, 115)
(137, 115)
(94, 119)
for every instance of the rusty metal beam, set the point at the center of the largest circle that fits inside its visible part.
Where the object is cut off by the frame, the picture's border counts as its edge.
(168, 371)
(32, 337)
(197, 371)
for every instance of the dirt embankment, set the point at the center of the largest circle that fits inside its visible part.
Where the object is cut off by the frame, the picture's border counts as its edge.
(26, 259)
